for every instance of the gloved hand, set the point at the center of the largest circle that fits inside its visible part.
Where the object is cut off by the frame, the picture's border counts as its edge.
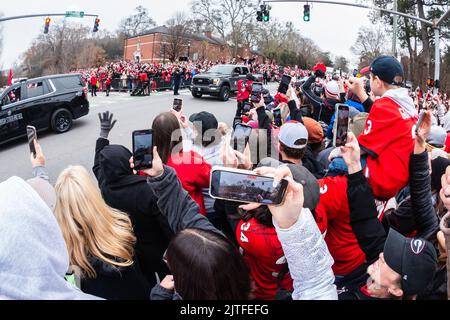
(106, 124)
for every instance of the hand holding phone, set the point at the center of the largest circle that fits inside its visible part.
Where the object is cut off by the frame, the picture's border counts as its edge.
(142, 149)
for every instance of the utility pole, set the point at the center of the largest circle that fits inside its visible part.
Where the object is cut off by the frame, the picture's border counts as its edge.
(435, 25)
(395, 30)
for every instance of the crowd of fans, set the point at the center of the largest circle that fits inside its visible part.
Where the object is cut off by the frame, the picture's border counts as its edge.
(367, 220)
(127, 75)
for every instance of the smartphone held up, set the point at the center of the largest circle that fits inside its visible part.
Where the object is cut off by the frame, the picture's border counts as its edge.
(284, 84)
(143, 149)
(246, 187)
(241, 136)
(177, 104)
(32, 135)
(341, 123)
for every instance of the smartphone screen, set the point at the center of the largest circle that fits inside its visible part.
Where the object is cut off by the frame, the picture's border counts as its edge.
(246, 187)
(177, 104)
(241, 136)
(419, 123)
(256, 92)
(284, 85)
(277, 117)
(143, 149)
(32, 135)
(341, 125)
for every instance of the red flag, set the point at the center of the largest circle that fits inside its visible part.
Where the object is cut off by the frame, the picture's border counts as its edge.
(10, 77)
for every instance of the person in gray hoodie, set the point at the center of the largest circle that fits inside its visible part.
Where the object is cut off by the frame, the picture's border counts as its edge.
(33, 254)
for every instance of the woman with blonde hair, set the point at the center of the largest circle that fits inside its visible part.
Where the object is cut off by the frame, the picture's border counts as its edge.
(99, 239)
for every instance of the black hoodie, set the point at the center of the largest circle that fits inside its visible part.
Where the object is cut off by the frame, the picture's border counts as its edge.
(130, 193)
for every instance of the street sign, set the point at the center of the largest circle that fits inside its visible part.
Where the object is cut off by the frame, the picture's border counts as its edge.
(75, 14)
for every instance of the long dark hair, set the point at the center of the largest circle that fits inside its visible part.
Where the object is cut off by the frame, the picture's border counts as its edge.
(207, 266)
(164, 125)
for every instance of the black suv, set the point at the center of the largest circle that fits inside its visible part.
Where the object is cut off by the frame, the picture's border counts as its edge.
(46, 102)
(220, 81)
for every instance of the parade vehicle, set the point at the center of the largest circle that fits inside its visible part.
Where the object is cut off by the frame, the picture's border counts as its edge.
(220, 81)
(45, 102)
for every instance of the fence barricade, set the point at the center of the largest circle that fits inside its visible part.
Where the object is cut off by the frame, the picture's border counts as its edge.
(157, 83)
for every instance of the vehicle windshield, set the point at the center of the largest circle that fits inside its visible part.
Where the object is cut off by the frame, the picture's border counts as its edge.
(221, 69)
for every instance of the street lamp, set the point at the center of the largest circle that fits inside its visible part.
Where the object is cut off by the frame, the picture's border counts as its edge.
(189, 50)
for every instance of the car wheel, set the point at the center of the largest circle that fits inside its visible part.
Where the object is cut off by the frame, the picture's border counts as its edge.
(196, 95)
(61, 121)
(224, 93)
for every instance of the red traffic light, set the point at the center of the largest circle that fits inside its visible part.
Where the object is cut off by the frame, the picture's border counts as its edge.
(47, 24)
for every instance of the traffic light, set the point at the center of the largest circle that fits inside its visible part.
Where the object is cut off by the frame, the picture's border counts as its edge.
(259, 15)
(47, 24)
(97, 22)
(307, 13)
(265, 14)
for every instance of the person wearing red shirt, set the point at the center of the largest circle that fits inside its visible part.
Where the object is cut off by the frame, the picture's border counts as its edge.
(387, 142)
(108, 86)
(192, 170)
(243, 94)
(94, 81)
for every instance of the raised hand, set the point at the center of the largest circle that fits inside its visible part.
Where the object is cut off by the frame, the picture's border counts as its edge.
(106, 123)
(351, 153)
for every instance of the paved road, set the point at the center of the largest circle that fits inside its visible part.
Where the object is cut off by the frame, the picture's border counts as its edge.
(77, 146)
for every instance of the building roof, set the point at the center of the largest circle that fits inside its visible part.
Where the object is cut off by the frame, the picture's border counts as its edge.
(196, 36)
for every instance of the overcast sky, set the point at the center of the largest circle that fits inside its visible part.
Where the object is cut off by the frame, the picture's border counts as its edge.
(333, 28)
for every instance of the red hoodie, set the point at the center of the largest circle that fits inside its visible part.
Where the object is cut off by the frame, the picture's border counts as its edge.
(194, 174)
(389, 141)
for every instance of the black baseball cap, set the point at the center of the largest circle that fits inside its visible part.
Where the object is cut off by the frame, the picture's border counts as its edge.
(208, 120)
(311, 187)
(414, 259)
(388, 68)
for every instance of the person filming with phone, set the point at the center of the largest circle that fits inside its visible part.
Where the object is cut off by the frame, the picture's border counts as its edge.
(323, 105)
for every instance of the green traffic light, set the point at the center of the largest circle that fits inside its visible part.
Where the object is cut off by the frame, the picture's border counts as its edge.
(266, 18)
(306, 18)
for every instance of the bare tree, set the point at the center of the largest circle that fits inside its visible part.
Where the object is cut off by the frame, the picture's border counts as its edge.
(1, 36)
(64, 48)
(180, 29)
(341, 63)
(137, 23)
(228, 17)
(370, 43)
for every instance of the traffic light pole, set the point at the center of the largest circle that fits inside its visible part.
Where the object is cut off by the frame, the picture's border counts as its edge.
(435, 25)
(41, 15)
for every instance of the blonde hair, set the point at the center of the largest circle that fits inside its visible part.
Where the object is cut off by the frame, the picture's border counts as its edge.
(89, 225)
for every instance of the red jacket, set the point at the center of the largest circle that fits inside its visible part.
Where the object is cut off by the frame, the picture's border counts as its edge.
(194, 174)
(333, 217)
(389, 140)
(94, 80)
(447, 143)
(264, 256)
(244, 90)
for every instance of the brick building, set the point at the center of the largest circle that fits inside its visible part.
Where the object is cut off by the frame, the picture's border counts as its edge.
(154, 45)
